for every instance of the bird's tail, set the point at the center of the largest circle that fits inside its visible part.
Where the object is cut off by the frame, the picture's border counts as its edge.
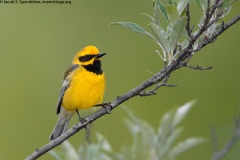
(62, 124)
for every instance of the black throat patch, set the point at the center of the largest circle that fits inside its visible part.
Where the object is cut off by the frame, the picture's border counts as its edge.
(95, 67)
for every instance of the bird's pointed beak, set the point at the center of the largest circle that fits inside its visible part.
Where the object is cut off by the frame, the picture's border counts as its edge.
(100, 55)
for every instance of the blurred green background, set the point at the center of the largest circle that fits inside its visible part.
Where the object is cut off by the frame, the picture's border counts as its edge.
(37, 43)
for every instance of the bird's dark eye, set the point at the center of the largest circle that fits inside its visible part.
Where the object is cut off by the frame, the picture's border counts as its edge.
(86, 58)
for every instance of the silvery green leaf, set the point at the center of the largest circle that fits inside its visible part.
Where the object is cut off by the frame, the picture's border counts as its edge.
(201, 4)
(225, 4)
(156, 15)
(148, 134)
(132, 127)
(134, 123)
(165, 127)
(181, 6)
(201, 38)
(70, 151)
(197, 3)
(150, 17)
(200, 24)
(161, 36)
(55, 154)
(169, 30)
(173, 15)
(103, 143)
(186, 36)
(184, 146)
(137, 121)
(173, 137)
(184, 44)
(138, 147)
(182, 112)
(91, 151)
(169, 141)
(162, 8)
(195, 45)
(213, 28)
(177, 31)
(134, 27)
(227, 11)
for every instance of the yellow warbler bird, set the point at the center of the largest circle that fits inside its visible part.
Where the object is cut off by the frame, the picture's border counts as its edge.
(83, 87)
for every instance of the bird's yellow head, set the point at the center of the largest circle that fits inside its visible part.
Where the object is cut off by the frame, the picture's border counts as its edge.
(87, 56)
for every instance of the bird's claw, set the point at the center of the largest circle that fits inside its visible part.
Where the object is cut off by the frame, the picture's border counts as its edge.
(82, 120)
(107, 106)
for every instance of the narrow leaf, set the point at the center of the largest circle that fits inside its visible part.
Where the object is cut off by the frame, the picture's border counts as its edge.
(132, 127)
(156, 15)
(201, 4)
(165, 127)
(137, 121)
(148, 134)
(150, 17)
(184, 44)
(227, 11)
(181, 6)
(55, 154)
(162, 8)
(70, 151)
(182, 112)
(177, 31)
(184, 146)
(103, 143)
(197, 3)
(172, 13)
(225, 4)
(134, 27)
(161, 36)
(169, 141)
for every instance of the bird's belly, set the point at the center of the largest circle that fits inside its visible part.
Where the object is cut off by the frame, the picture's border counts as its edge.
(85, 91)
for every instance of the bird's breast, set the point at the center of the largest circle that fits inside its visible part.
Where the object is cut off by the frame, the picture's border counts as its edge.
(86, 89)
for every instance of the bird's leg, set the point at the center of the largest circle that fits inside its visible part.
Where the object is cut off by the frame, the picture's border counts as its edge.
(107, 106)
(82, 120)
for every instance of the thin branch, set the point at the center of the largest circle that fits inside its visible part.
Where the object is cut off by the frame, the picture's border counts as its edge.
(209, 13)
(197, 67)
(215, 19)
(189, 31)
(217, 33)
(221, 154)
(149, 93)
(154, 90)
(225, 27)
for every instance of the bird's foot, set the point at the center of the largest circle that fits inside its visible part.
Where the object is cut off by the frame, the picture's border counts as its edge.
(82, 120)
(107, 106)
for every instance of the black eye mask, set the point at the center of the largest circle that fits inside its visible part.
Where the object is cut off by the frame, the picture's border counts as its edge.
(86, 58)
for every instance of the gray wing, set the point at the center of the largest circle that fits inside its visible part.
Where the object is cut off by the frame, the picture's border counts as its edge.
(66, 83)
